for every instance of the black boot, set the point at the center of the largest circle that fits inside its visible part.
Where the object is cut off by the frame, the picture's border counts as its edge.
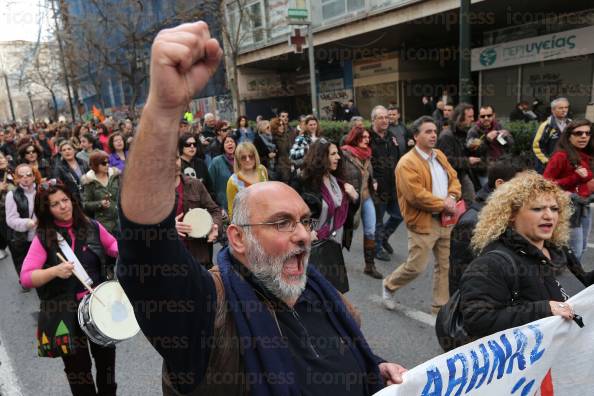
(369, 253)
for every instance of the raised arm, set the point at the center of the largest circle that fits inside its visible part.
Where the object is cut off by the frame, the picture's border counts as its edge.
(182, 61)
(173, 297)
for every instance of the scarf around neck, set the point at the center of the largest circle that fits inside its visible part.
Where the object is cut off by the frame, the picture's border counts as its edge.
(255, 322)
(361, 153)
(337, 214)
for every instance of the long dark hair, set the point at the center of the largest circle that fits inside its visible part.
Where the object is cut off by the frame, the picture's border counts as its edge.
(46, 226)
(316, 164)
(565, 145)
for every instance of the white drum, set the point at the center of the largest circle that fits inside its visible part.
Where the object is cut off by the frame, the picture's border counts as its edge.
(200, 220)
(110, 323)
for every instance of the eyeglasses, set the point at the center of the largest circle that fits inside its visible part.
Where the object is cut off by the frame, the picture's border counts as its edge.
(486, 115)
(104, 163)
(580, 133)
(247, 157)
(287, 225)
(225, 130)
(29, 151)
(26, 175)
(190, 144)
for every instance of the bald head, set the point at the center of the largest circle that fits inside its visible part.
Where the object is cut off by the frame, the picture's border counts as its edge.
(265, 198)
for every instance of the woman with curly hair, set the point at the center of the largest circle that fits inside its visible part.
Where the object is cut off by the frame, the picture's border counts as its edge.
(527, 221)
(119, 151)
(570, 167)
(327, 195)
(31, 153)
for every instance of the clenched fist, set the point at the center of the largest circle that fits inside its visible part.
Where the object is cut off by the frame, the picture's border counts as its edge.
(182, 61)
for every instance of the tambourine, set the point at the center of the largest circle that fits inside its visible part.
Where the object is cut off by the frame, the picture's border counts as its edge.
(201, 222)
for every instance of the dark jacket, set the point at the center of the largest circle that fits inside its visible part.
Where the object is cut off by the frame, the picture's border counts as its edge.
(263, 152)
(385, 155)
(66, 175)
(195, 195)
(518, 115)
(283, 143)
(486, 286)
(10, 149)
(453, 145)
(198, 168)
(313, 199)
(488, 150)
(545, 141)
(461, 254)
(94, 192)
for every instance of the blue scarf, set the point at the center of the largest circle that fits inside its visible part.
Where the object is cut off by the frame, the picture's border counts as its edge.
(265, 359)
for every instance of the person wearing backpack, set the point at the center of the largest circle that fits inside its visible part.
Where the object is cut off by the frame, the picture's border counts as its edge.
(527, 219)
(461, 254)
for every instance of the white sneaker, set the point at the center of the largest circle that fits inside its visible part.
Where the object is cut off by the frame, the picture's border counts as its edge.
(3, 254)
(388, 298)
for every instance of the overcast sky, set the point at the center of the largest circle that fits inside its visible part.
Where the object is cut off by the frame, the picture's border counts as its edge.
(21, 19)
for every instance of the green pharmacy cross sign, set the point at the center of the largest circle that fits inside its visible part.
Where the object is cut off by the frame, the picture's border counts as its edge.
(297, 13)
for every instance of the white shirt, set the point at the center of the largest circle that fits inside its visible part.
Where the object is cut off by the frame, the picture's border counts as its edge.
(439, 176)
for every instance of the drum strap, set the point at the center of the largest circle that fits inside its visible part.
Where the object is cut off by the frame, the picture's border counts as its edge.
(70, 256)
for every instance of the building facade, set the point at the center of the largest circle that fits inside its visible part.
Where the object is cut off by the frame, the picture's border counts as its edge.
(111, 56)
(396, 52)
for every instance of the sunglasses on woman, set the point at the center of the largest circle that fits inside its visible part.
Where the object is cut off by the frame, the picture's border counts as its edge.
(190, 144)
(580, 133)
(247, 157)
(29, 151)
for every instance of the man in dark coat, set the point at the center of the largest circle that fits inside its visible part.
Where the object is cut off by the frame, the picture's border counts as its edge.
(386, 150)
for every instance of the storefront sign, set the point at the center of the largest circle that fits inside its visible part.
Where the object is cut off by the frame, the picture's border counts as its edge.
(376, 66)
(536, 49)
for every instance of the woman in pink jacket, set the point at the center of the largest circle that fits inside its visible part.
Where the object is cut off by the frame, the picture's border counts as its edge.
(58, 333)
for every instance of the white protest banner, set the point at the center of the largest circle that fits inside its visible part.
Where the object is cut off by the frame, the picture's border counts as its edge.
(549, 357)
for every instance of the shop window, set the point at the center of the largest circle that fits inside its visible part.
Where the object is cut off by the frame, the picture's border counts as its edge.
(335, 8)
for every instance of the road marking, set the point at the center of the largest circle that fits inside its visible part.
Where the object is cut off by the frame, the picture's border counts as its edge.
(9, 382)
(412, 313)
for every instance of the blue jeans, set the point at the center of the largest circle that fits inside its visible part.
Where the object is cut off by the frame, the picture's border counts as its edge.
(368, 218)
(578, 236)
(383, 231)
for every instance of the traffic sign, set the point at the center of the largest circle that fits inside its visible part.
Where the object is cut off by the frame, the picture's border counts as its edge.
(298, 13)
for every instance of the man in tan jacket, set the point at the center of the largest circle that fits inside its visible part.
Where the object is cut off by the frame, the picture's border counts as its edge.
(427, 185)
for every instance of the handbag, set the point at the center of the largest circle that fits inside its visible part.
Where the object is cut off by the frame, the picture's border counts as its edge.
(449, 324)
(452, 219)
(58, 331)
(326, 256)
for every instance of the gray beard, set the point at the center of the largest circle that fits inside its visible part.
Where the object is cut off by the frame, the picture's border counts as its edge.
(268, 270)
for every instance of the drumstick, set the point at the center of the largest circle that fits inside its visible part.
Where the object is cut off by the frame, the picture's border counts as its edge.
(81, 281)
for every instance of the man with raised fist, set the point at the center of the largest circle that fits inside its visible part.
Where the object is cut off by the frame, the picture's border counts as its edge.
(259, 323)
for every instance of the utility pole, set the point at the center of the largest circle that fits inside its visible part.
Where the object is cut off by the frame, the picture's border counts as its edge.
(465, 82)
(9, 97)
(312, 64)
(63, 61)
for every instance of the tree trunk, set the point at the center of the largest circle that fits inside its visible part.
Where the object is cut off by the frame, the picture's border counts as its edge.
(55, 102)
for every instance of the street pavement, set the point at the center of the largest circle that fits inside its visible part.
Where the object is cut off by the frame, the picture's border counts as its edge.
(405, 336)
